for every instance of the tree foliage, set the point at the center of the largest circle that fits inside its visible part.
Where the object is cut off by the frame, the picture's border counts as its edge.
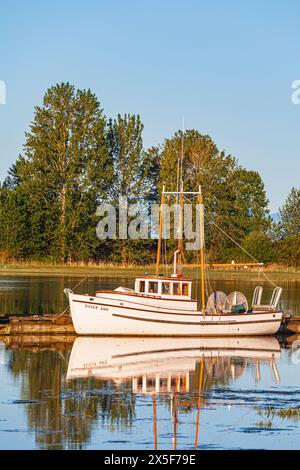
(234, 197)
(75, 158)
(290, 214)
(287, 230)
(134, 178)
(64, 174)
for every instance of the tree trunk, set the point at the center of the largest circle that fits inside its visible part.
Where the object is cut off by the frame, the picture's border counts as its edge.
(63, 224)
(63, 198)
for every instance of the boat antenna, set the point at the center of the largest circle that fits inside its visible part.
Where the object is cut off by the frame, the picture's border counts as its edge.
(182, 154)
(179, 182)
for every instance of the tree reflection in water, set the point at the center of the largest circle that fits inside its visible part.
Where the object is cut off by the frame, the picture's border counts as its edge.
(63, 413)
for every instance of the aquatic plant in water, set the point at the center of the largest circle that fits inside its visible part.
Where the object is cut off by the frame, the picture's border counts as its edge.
(283, 413)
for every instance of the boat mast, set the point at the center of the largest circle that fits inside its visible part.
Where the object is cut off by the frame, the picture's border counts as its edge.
(200, 203)
(180, 228)
(161, 212)
(180, 199)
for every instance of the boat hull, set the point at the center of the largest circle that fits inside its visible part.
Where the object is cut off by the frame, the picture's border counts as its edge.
(106, 317)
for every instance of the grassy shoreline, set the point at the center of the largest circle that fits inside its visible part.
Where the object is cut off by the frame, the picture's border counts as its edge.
(274, 272)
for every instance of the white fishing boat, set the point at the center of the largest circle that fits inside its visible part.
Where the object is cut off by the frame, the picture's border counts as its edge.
(162, 305)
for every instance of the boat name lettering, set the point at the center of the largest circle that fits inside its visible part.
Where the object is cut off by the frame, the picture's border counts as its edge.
(91, 365)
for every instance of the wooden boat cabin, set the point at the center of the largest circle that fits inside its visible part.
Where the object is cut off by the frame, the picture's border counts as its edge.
(175, 287)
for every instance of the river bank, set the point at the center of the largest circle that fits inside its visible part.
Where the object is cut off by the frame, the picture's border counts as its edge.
(274, 272)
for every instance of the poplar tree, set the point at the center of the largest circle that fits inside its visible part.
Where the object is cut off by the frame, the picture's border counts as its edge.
(234, 197)
(287, 244)
(290, 214)
(134, 176)
(64, 173)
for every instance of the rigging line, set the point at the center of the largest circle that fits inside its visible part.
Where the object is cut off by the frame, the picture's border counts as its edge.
(243, 249)
(236, 243)
(60, 314)
(80, 282)
(66, 309)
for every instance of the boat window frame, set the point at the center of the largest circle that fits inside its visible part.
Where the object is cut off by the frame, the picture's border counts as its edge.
(144, 284)
(166, 283)
(154, 283)
(179, 285)
(187, 286)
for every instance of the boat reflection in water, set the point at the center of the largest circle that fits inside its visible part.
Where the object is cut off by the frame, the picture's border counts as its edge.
(181, 370)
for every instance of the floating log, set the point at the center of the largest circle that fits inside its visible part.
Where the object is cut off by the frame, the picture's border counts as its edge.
(37, 325)
(39, 342)
(293, 324)
(290, 339)
(4, 330)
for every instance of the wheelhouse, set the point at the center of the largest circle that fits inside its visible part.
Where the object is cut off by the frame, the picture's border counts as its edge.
(164, 287)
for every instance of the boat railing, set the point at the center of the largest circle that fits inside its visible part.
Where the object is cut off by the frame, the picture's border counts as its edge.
(257, 296)
(275, 298)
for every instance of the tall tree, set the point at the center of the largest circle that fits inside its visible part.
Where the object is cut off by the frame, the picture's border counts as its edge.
(290, 214)
(65, 172)
(135, 173)
(132, 165)
(287, 243)
(234, 198)
(14, 229)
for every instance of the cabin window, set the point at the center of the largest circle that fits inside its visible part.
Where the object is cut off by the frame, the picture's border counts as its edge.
(166, 288)
(153, 287)
(176, 288)
(185, 289)
(142, 286)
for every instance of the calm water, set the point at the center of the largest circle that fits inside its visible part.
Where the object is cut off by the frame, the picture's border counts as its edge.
(106, 393)
(37, 295)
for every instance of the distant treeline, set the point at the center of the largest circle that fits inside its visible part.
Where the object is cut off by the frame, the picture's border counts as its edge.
(75, 158)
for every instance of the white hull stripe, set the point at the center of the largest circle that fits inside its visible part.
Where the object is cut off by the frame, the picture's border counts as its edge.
(200, 323)
(261, 312)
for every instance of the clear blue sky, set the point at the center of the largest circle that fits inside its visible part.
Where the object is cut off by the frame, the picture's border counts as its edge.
(227, 66)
